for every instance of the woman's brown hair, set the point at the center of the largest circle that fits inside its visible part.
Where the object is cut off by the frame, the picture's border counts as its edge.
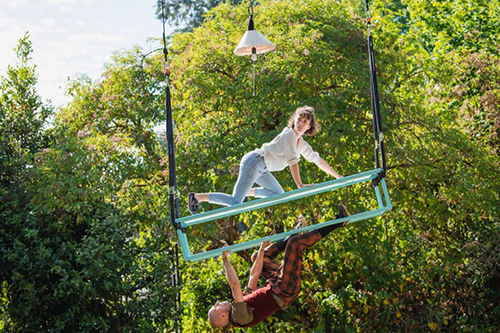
(308, 112)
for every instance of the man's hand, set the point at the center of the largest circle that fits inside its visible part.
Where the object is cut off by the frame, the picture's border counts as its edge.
(263, 245)
(225, 255)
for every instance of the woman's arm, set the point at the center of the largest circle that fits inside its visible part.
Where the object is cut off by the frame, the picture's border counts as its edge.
(257, 267)
(294, 169)
(323, 165)
(232, 278)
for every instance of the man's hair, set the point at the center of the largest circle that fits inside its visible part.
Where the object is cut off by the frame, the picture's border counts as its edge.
(215, 319)
(307, 112)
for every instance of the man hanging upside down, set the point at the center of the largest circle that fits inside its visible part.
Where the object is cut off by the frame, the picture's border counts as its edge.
(283, 282)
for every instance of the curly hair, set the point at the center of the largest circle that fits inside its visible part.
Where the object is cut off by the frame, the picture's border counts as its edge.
(308, 112)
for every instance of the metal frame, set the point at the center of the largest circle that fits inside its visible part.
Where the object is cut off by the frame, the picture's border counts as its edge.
(377, 177)
(188, 221)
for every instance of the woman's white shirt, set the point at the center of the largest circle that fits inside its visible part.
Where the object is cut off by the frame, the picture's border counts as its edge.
(285, 151)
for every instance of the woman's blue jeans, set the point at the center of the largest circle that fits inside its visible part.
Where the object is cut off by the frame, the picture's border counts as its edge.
(253, 169)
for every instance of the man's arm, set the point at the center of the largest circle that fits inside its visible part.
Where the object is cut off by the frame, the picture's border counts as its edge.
(232, 278)
(257, 267)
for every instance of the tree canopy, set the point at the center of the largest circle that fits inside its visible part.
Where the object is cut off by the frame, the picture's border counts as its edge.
(85, 241)
(187, 13)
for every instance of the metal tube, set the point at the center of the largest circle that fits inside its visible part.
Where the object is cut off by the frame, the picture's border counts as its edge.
(279, 198)
(273, 238)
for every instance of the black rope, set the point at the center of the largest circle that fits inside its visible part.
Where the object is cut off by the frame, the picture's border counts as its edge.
(377, 119)
(172, 180)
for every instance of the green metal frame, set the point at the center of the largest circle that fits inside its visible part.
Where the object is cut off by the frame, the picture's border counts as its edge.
(186, 222)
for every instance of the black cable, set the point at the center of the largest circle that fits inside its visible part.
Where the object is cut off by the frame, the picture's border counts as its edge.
(172, 179)
(377, 118)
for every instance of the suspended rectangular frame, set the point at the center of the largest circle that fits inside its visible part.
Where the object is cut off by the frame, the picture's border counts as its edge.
(186, 222)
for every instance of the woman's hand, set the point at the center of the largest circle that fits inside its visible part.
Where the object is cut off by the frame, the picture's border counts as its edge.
(306, 185)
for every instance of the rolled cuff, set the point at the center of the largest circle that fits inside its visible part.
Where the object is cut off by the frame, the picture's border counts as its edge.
(314, 157)
(292, 161)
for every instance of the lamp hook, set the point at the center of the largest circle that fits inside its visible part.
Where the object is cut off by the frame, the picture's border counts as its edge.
(250, 8)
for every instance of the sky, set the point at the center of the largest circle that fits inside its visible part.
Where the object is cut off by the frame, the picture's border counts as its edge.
(74, 37)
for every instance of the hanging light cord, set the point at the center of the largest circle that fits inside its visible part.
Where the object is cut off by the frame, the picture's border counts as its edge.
(253, 90)
(251, 27)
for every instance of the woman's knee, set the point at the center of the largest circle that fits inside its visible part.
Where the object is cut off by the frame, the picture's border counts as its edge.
(276, 190)
(238, 199)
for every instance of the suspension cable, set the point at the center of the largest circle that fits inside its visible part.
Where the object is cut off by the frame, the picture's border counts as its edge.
(172, 180)
(377, 121)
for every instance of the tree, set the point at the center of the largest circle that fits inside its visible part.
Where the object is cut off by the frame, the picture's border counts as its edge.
(22, 115)
(187, 13)
(76, 253)
(85, 244)
(443, 200)
(22, 119)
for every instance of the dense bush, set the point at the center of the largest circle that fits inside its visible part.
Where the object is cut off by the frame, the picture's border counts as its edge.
(77, 254)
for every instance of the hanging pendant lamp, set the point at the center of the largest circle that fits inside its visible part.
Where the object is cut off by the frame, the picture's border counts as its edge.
(253, 42)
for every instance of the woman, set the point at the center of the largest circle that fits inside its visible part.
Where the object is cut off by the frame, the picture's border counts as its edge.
(256, 166)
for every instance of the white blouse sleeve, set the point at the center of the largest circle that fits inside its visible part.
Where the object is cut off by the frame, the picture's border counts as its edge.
(289, 147)
(308, 153)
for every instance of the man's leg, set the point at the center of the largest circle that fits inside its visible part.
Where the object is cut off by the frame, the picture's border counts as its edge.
(270, 267)
(343, 212)
(287, 283)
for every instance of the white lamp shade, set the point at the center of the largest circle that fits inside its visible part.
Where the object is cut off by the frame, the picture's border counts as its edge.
(251, 39)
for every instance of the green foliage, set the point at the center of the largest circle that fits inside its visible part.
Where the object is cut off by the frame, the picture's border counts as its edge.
(22, 114)
(83, 241)
(77, 253)
(413, 269)
(187, 13)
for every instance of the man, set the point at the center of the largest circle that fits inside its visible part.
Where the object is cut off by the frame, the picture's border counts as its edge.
(283, 282)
